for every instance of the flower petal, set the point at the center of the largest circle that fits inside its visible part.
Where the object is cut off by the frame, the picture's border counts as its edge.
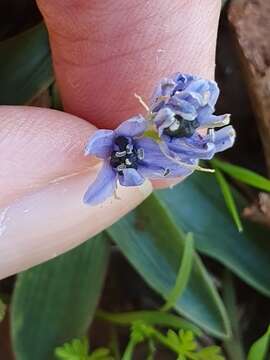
(163, 119)
(183, 80)
(100, 144)
(103, 186)
(163, 89)
(131, 177)
(214, 93)
(224, 138)
(198, 85)
(156, 164)
(134, 126)
(213, 121)
(183, 108)
(196, 147)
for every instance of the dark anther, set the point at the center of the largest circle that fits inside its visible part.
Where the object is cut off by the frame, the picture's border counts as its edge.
(126, 157)
(122, 142)
(182, 127)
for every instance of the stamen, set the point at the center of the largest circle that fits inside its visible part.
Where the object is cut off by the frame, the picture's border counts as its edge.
(175, 125)
(212, 135)
(146, 107)
(140, 153)
(188, 166)
(128, 162)
(129, 148)
(121, 167)
(120, 153)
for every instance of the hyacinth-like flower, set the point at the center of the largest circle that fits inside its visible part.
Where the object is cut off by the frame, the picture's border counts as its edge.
(129, 158)
(180, 131)
(183, 104)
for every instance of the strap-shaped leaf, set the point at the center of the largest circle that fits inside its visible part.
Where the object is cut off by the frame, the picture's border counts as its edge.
(55, 302)
(154, 246)
(25, 66)
(197, 205)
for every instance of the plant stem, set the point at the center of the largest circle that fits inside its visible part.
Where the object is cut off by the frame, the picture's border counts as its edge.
(234, 345)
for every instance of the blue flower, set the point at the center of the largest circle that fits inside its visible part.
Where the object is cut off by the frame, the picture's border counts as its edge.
(128, 158)
(183, 104)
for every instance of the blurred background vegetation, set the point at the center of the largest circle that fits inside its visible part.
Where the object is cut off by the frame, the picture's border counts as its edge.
(184, 276)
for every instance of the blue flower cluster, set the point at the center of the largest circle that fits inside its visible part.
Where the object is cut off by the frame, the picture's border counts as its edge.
(180, 131)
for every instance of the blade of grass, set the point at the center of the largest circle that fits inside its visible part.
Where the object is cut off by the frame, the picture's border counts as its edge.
(259, 349)
(150, 317)
(183, 274)
(2, 310)
(244, 175)
(228, 198)
(233, 346)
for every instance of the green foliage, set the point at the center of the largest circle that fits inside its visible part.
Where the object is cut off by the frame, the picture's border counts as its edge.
(154, 317)
(75, 350)
(78, 349)
(156, 253)
(244, 175)
(55, 302)
(183, 343)
(229, 199)
(183, 274)
(233, 346)
(25, 65)
(197, 206)
(2, 310)
(259, 349)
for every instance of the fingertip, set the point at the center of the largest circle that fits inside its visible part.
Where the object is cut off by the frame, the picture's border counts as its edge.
(113, 49)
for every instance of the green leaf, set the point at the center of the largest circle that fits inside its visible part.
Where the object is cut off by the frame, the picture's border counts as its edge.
(2, 310)
(156, 252)
(229, 200)
(246, 176)
(55, 302)
(196, 205)
(259, 349)
(182, 276)
(157, 318)
(100, 354)
(25, 66)
(210, 353)
(233, 346)
(77, 349)
(186, 341)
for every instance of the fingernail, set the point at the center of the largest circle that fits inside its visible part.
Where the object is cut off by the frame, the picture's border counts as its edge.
(47, 223)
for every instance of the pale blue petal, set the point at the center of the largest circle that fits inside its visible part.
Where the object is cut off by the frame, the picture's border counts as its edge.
(214, 93)
(204, 114)
(163, 119)
(100, 144)
(183, 108)
(131, 177)
(134, 126)
(193, 98)
(224, 138)
(213, 121)
(199, 86)
(183, 80)
(194, 148)
(156, 164)
(103, 186)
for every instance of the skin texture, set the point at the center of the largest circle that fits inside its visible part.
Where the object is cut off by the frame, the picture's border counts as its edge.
(103, 53)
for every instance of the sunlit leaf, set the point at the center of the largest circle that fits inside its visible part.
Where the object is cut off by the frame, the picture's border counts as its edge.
(244, 175)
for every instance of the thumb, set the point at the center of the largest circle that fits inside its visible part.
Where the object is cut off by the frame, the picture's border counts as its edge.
(43, 179)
